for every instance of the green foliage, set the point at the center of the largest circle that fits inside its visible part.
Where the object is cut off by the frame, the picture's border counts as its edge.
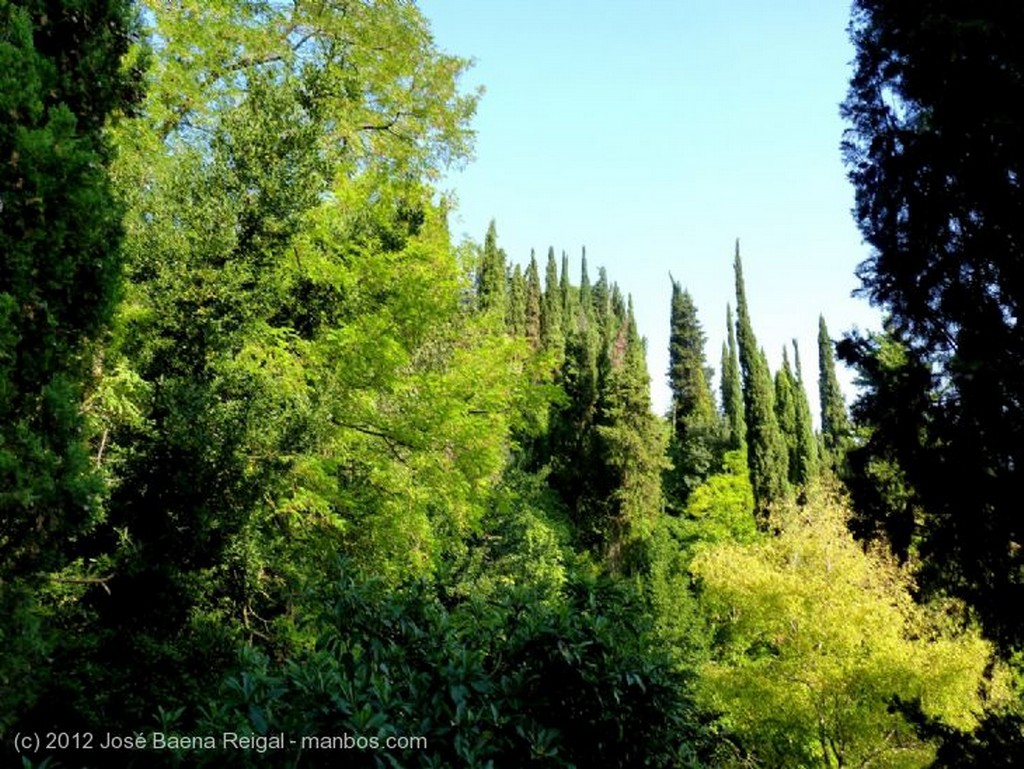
(936, 166)
(766, 447)
(504, 682)
(534, 312)
(551, 327)
(61, 80)
(835, 427)
(803, 465)
(491, 277)
(696, 427)
(816, 639)
(732, 387)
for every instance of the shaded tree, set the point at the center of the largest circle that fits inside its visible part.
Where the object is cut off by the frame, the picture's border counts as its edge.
(937, 163)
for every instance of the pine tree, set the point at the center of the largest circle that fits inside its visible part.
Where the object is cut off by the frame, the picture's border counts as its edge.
(491, 277)
(534, 312)
(551, 308)
(766, 449)
(835, 427)
(804, 466)
(732, 387)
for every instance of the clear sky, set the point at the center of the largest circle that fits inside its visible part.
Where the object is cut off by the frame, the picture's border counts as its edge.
(655, 133)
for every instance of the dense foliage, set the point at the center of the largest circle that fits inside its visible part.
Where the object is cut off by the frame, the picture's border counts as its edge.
(279, 459)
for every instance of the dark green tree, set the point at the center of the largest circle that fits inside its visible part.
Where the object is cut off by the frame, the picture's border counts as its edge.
(937, 162)
(551, 309)
(785, 411)
(492, 274)
(630, 445)
(732, 387)
(696, 427)
(804, 465)
(534, 302)
(60, 270)
(835, 425)
(766, 448)
(568, 297)
(515, 320)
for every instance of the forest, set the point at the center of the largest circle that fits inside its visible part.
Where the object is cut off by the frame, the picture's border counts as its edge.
(290, 478)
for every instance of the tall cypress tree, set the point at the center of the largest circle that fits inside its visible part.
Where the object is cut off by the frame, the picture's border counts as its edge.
(515, 319)
(551, 309)
(804, 466)
(732, 387)
(565, 290)
(534, 312)
(785, 411)
(766, 449)
(835, 426)
(694, 445)
(491, 277)
(585, 311)
(630, 445)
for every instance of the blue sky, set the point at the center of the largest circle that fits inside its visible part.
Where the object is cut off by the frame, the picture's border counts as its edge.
(655, 133)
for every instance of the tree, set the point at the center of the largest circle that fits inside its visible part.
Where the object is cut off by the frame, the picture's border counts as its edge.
(937, 165)
(785, 410)
(804, 465)
(551, 314)
(696, 428)
(516, 320)
(491, 277)
(835, 427)
(60, 236)
(817, 639)
(534, 304)
(766, 448)
(732, 386)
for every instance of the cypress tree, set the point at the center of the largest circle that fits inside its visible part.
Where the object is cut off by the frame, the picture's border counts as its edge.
(785, 412)
(515, 320)
(585, 311)
(630, 451)
(696, 433)
(732, 387)
(567, 296)
(534, 313)
(766, 449)
(835, 427)
(551, 308)
(491, 277)
(687, 369)
(805, 466)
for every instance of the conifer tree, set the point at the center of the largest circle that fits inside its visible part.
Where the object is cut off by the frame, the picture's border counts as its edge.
(785, 411)
(835, 427)
(805, 466)
(732, 387)
(630, 446)
(551, 309)
(60, 264)
(491, 277)
(515, 320)
(534, 313)
(585, 311)
(567, 297)
(693, 447)
(766, 449)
